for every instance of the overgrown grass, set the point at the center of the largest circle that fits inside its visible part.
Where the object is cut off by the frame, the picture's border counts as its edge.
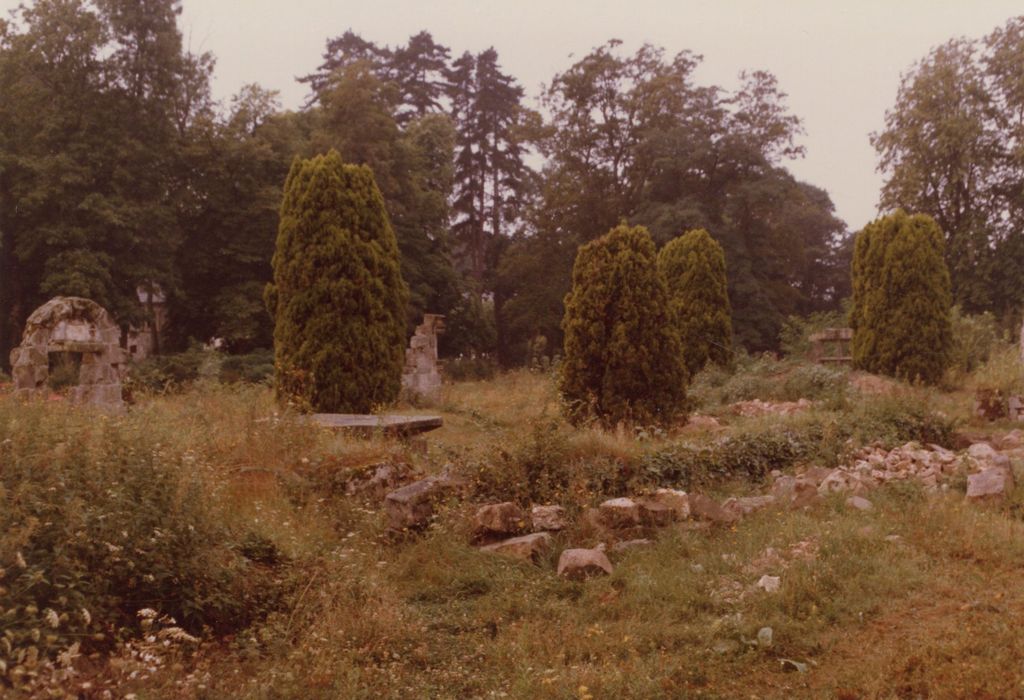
(297, 590)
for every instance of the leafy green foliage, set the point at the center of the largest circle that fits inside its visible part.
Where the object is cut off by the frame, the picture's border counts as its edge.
(693, 267)
(972, 146)
(767, 379)
(901, 299)
(101, 518)
(975, 337)
(749, 455)
(900, 418)
(636, 136)
(796, 332)
(338, 298)
(623, 360)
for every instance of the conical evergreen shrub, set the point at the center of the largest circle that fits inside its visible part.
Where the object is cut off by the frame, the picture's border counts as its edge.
(623, 360)
(338, 298)
(902, 299)
(693, 267)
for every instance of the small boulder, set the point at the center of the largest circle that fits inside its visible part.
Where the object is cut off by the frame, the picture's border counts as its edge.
(982, 451)
(859, 502)
(664, 506)
(708, 509)
(1012, 440)
(816, 474)
(412, 506)
(992, 484)
(582, 563)
(500, 519)
(783, 487)
(526, 547)
(837, 480)
(376, 480)
(678, 501)
(747, 505)
(697, 421)
(548, 517)
(805, 494)
(620, 513)
(769, 584)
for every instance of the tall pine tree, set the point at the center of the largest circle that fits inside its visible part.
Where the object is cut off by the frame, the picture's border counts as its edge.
(491, 177)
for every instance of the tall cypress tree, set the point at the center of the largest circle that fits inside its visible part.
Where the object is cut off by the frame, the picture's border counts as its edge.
(623, 360)
(338, 298)
(902, 298)
(693, 267)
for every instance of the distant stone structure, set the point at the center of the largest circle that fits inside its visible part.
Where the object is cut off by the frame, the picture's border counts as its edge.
(832, 346)
(421, 378)
(147, 339)
(74, 336)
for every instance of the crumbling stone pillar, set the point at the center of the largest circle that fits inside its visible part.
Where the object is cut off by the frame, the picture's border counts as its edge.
(76, 327)
(421, 378)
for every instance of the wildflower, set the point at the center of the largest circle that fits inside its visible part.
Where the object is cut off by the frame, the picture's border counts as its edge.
(52, 619)
(147, 613)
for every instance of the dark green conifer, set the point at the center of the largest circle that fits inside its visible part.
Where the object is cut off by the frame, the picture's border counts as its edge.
(693, 267)
(902, 299)
(623, 361)
(338, 298)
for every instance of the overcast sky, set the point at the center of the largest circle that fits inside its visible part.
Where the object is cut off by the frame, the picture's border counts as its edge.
(840, 62)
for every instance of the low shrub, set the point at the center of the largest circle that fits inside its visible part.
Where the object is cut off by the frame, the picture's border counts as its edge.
(166, 373)
(796, 332)
(548, 466)
(1003, 372)
(101, 517)
(255, 367)
(768, 379)
(899, 418)
(471, 369)
(746, 455)
(162, 374)
(974, 340)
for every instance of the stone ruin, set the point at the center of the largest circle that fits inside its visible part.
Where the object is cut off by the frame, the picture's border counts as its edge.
(77, 338)
(421, 378)
(832, 345)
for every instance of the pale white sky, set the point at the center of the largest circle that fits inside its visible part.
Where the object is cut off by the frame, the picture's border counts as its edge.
(840, 62)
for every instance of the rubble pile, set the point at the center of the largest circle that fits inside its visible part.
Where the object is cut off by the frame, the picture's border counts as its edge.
(756, 408)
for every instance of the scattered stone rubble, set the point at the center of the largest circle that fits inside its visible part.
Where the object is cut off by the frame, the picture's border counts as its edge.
(626, 523)
(756, 407)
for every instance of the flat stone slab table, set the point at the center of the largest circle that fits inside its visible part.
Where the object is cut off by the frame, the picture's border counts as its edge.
(369, 424)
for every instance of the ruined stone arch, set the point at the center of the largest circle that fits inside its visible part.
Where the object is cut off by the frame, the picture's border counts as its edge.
(76, 328)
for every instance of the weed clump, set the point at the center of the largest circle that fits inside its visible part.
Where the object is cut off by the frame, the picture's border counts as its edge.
(102, 517)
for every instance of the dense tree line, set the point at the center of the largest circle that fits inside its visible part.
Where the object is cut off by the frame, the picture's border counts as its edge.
(118, 169)
(953, 148)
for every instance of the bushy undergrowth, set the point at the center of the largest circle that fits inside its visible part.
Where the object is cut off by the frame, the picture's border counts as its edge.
(471, 369)
(975, 338)
(175, 372)
(749, 455)
(1002, 373)
(765, 378)
(551, 463)
(796, 332)
(103, 516)
(899, 418)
